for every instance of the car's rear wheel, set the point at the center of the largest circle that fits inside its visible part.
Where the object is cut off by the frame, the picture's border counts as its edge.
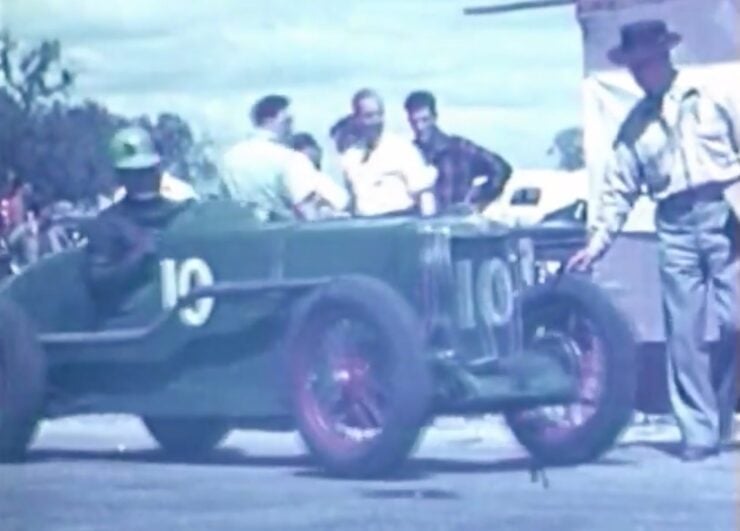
(361, 388)
(22, 382)
(575, 315)
(185, 437)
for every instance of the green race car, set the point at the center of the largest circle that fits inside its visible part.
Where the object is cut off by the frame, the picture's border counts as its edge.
(355, 332)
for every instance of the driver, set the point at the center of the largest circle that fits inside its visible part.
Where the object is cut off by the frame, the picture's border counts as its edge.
(121, 240)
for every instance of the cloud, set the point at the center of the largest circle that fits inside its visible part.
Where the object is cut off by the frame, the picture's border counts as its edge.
(496, 77)
(94, 21)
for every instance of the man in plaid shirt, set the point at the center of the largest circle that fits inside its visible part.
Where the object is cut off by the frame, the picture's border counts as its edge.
(457, 159)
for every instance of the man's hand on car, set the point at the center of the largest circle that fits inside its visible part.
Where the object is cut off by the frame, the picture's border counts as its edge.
(581, 261)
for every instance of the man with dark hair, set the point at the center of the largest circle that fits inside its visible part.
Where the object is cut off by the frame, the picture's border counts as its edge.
(279, 182)
(458, 160)
(385, 171)
(680, 144)
(273, 110)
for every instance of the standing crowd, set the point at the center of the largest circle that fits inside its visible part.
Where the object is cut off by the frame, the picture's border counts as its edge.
(280, 174)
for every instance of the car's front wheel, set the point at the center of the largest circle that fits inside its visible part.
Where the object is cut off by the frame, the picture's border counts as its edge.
(361, 388)
(574, 315)
(22, 382)
(185, 437)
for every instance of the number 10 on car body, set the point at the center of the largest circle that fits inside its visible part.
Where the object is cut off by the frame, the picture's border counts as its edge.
(486, 291)
(179, 280)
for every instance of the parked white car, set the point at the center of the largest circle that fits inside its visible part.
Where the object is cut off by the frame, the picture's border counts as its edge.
(532, 194)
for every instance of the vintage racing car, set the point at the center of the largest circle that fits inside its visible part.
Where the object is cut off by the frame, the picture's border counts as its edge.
(355, 332)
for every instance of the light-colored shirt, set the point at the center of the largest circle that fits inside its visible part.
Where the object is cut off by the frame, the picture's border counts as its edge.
(275, 179)
(688, 140)
(387, 179)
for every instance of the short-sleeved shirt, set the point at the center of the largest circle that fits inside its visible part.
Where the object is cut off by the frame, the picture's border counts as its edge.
(385, 179)
(273, 178)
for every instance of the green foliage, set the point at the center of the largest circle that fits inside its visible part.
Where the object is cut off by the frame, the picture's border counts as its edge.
(61, 149)
(33, 75)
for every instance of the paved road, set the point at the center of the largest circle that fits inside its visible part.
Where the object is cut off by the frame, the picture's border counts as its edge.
(106, 474)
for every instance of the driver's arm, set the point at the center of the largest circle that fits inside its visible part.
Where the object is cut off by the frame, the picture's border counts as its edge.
(118, 255)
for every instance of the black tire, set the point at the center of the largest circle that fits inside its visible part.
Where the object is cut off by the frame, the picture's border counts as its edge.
(187, 437)
(550, 306)
(22, 382)
(389, 390)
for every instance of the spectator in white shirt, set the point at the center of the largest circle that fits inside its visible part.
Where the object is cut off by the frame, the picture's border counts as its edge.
(279, 182)
(385, 172)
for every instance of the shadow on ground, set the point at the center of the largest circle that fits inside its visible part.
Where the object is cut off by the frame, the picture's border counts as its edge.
(218, 457)
(673, 448)
(670, 448)
(422, 468)
(415, 469)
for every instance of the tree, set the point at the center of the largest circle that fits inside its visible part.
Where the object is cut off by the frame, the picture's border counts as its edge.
(174, 139)
(12, 120)
(34, 75)
(568, 144)
(62, 150)
(204, 170)
(184, 155)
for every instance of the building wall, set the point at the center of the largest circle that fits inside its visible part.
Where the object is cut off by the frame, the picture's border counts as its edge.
(709, 52)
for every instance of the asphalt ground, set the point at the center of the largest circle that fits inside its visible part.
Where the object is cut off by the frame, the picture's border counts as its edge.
(106, 473)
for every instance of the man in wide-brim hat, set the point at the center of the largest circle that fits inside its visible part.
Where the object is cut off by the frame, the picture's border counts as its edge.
(680, 144)
(643, 40)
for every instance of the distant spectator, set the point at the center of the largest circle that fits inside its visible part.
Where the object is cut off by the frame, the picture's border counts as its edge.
(15, 202)
(458, 160)
(306, 144)
(568, 145)
(344, 133)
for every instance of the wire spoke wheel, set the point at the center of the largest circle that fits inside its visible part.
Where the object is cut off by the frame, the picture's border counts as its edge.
(22, 382)
(575, 334)
(360, 385)
(574, 317)
(343, 383)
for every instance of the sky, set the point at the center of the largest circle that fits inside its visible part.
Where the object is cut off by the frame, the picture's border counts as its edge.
(508, 82)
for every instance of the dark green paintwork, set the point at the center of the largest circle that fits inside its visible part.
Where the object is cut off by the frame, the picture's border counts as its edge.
(231, 365)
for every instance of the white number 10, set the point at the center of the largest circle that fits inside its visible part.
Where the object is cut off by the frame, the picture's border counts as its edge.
(178, 280)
